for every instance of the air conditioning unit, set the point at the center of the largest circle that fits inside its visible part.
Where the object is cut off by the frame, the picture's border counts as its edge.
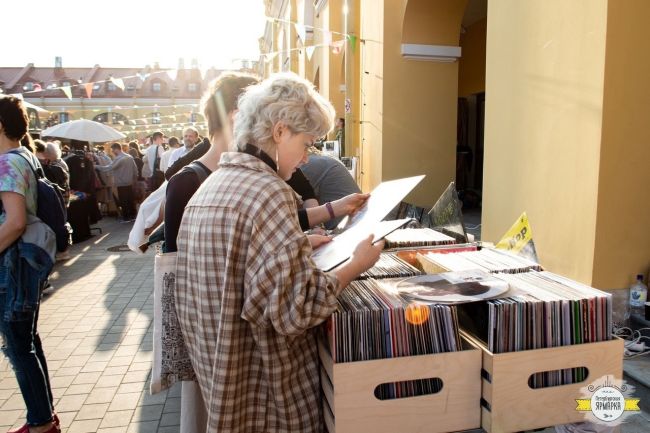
(431, 53)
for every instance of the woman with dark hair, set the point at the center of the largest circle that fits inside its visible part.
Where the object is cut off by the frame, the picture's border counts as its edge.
(24, 270)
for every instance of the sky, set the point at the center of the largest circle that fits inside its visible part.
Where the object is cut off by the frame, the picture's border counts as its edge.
(131, 33)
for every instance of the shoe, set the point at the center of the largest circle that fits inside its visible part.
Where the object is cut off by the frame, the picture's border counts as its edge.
(56, 426)
(63, 256)
(48, 290)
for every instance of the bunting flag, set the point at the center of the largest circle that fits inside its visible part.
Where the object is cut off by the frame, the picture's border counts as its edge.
(89, 89)
(142, 76)
(337, 46)
(67, 91)
(301, 31)
(172, 74)
(310, 51)
(353, 42)
(118, 82)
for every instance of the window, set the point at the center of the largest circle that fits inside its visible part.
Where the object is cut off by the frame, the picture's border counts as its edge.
(155, 87)
(28, 86)
(110, 86)
(64, 117)
(101, 118)
(130, 87)
(155, 118)
(193, 87)
(66, 83)
(97, 86)
(119, 119)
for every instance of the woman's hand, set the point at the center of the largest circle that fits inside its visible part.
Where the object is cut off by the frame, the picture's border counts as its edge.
(350, 204)
(318, 240)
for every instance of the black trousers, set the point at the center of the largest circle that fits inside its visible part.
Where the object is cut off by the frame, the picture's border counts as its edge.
(126, 201)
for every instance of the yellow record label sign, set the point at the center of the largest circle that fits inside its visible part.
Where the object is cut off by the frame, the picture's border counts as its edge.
(517, 236)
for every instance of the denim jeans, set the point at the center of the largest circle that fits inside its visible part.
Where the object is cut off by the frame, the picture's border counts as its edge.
(22, 346)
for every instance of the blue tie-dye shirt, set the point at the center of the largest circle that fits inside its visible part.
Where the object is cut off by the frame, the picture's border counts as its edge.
(17, 176)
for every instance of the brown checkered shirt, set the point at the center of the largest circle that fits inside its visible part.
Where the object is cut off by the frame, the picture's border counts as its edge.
(248, 299)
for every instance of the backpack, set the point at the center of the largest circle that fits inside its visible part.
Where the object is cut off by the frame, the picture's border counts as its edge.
(50, 207)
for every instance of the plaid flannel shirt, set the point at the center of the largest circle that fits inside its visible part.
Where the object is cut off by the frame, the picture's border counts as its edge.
(248, 298)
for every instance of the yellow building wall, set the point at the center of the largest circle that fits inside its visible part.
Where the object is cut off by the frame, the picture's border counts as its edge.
(420, 98)
(622, 247)
(353, 78)
(371, 52)
(544, 113)
(471, 66)
(336, 65)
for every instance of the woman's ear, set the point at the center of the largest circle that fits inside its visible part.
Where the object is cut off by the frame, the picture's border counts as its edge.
(278, 130)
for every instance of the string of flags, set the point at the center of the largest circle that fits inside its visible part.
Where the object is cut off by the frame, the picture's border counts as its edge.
(301, 31)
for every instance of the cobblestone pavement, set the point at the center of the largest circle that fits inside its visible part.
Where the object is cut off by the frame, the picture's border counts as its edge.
(97, 330)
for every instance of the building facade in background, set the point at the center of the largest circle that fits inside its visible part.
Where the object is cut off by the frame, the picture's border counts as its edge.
(136, 101)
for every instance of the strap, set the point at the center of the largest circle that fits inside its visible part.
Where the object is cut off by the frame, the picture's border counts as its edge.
(38, 172)
(199, 171)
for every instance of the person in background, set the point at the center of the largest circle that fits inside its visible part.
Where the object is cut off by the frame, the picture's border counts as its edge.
(248, 296)
(152, 162)
(54, 173)
(125, 175)
(190, 139)
(164, 159)
(22, 281)
(340, 134)
(54, 148)
(330, 179)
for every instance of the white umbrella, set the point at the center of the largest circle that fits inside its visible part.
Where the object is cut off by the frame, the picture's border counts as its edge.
(83, 130)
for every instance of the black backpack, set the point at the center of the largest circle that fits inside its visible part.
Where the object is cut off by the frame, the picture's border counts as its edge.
(50, 206)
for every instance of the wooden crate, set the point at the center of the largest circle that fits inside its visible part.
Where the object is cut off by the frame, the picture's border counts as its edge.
(511, 405)
(350, 405)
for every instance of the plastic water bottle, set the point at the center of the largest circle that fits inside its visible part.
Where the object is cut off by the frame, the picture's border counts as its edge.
(638, 296)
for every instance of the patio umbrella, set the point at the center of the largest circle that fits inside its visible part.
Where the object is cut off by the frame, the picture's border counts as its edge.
(83, 130)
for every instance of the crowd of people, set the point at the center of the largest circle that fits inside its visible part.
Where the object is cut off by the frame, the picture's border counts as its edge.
(236, 210)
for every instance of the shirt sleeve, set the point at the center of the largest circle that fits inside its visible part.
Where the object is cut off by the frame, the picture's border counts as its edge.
(300, 184)
(13, 175)
(289, 293)
(303, 219)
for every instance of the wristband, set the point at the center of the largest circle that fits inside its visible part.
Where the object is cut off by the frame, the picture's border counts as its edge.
(328, 205)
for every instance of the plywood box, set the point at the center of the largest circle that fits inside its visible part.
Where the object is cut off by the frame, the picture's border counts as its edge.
(511, 405)
(350, 405)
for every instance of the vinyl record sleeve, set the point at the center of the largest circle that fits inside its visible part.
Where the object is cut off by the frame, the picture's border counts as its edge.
(452, 287)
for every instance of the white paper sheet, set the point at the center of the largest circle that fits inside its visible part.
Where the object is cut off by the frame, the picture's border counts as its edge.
(368, 220)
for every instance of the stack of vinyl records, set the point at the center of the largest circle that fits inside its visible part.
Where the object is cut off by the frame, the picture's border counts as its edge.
(374, 323)
(541, 310)
(390, 266)
(486, 259)
(422, 237)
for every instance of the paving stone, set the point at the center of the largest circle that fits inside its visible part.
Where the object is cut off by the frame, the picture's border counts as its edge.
(125, 401)
(92, 411)
(101, 395)
(69, 403)
(85, 426)
(143, 427)
(148, 413)
(119, 418)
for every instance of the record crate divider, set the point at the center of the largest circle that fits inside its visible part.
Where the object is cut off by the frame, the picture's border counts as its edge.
(508, 404)
(350, 405)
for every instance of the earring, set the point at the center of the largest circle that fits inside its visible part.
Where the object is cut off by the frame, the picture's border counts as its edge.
(277, 163)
